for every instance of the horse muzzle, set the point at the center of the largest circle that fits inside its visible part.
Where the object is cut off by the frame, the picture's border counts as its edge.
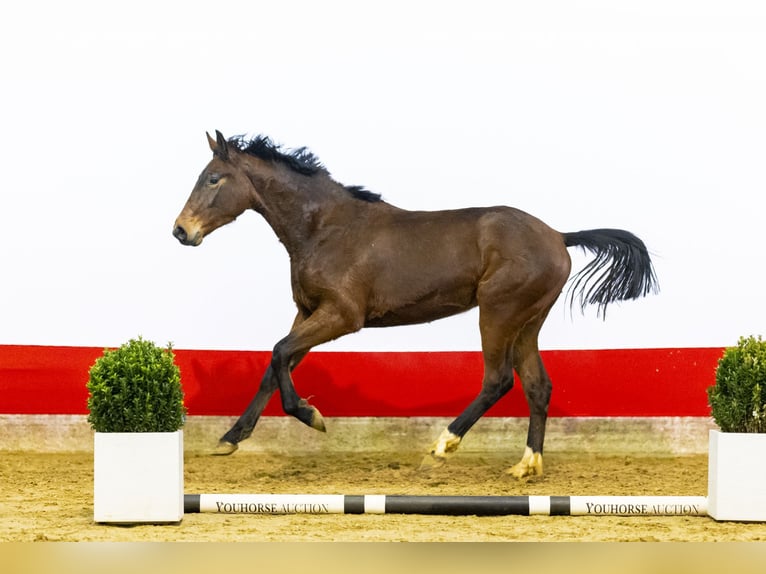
(185, 238)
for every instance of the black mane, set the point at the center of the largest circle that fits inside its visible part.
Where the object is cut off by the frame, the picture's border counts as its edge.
(299, 160)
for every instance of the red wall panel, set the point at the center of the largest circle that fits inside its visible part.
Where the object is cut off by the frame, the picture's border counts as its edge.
(624, 382)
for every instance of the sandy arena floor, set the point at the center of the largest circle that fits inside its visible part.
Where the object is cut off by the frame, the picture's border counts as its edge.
(49, 497)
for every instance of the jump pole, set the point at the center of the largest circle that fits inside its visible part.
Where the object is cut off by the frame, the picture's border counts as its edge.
(446, 505)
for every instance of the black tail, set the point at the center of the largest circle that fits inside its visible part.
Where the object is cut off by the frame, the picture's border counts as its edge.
(622, 268)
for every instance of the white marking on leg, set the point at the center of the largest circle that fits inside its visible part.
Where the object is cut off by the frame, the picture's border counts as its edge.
(531, 464)
(446, 443)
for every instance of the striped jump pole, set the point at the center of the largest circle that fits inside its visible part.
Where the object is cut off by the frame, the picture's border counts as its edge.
(447, 505)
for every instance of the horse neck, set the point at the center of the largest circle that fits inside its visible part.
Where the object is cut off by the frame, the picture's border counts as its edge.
(295, 205)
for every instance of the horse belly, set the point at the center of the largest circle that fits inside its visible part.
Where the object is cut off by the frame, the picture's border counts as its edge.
(414, 316)
(419, 298)
(426, 267)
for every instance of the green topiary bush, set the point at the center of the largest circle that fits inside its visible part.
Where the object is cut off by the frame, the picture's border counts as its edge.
(136, 388)
(738, 398)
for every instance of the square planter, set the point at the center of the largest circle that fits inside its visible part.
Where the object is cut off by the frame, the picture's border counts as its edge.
(737, 476)
(138, 477)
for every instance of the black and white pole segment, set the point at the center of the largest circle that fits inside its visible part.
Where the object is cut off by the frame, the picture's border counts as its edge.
(447, 505)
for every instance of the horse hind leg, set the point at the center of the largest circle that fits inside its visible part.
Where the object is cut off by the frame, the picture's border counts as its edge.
(498, 380)
(505, 349)
(537, 389)
(495, 385)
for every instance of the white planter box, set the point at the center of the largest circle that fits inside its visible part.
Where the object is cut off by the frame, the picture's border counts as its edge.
(138, 477)
(737, 476)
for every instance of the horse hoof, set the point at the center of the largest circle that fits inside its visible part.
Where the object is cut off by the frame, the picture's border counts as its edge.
(309, 415)
(519, 471)
(224, 448)
(530, 465)
(317, 421)
(431, 461)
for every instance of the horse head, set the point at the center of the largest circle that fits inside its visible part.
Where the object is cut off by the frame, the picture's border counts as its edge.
(221, 194)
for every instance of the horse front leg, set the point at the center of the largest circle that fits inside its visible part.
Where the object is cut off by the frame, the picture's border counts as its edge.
(245, 424)
(325, 324)
(293, 404)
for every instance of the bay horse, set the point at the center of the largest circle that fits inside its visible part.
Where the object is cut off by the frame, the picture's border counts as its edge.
(357, 261)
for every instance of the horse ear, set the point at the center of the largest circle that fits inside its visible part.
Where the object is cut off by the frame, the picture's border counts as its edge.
(218, 145)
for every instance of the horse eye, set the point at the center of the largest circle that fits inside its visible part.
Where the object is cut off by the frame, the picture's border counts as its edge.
(214, 179)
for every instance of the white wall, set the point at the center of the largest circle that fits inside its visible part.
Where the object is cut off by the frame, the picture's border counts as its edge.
(645, 115)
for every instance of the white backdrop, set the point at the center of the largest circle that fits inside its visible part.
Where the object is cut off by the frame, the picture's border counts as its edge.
(645, 115)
